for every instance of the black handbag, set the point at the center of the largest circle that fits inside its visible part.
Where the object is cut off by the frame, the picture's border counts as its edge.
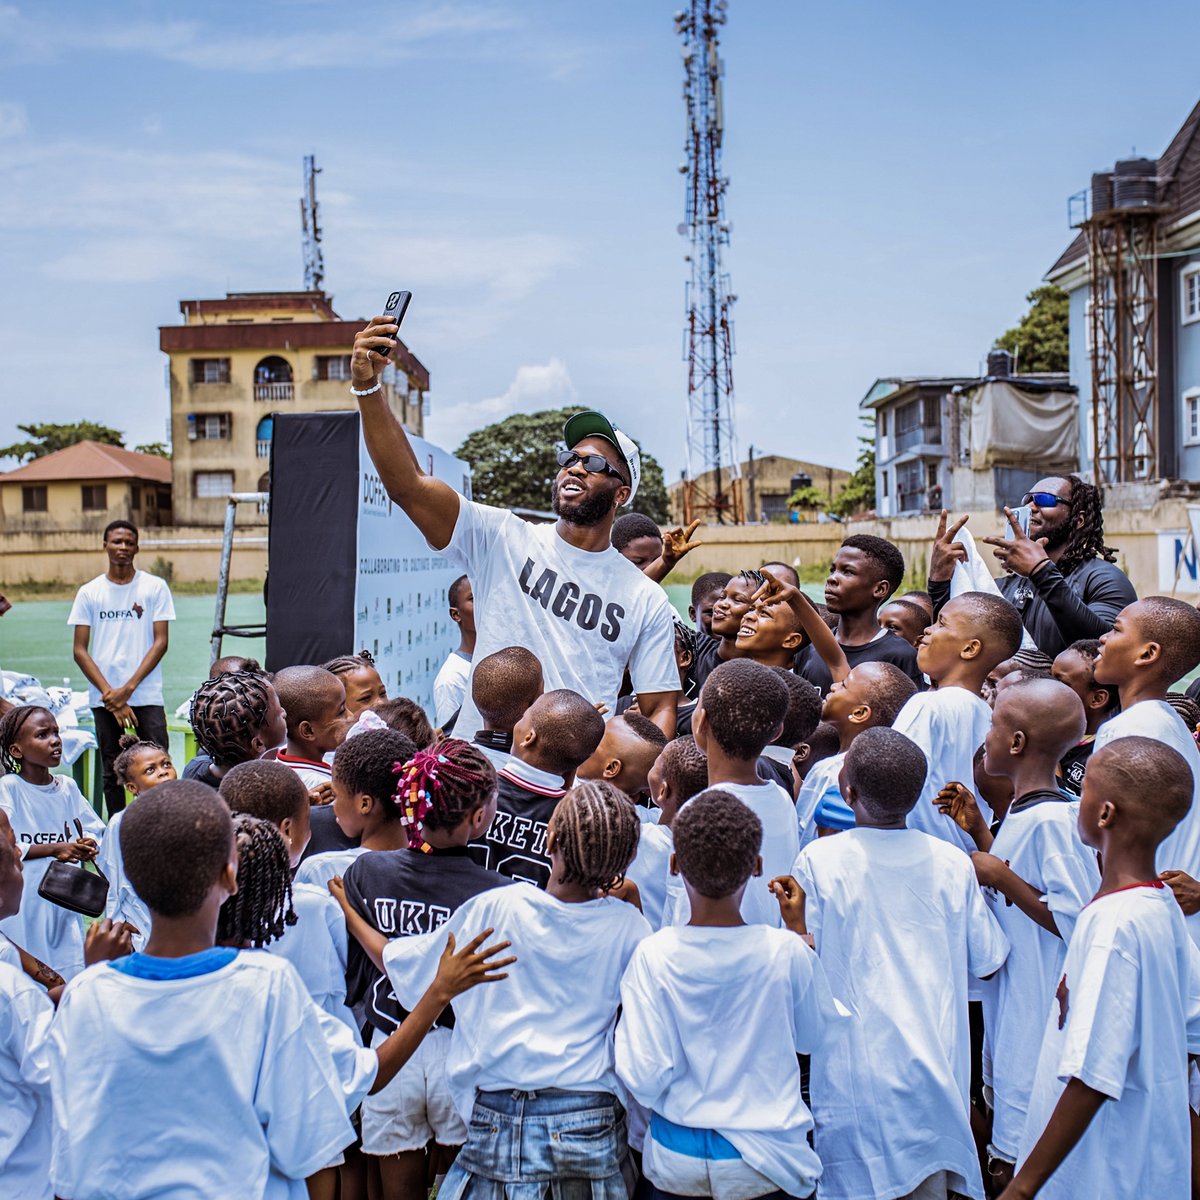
(72, 886)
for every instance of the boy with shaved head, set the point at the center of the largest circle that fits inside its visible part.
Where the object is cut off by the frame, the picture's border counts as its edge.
(629, 748)
(503, 687)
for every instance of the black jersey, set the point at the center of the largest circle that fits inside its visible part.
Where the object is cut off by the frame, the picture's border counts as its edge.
(515, 843)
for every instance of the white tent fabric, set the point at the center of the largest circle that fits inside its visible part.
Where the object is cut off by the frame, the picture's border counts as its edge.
(1012, 427)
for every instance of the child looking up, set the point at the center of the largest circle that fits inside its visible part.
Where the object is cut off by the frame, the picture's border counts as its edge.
(897, 954)
(971, 634)
(706, 591)
(629, 747)
(1118, 1029)
(727, 1114)
(550, 743)
(236, 716)
(531, 1061)
(865, 572)
(315, 702)
(871, 696)
(315, 943)
(1036, 876)
(51, 820)
(363, 687)
(266, 1095)
(735, 601)
(679, 773)
(401, 893)
(905, 618)
(365, 802)
(139, 767)
(1076, 667)
(741, 710)
(1153, 644)
(503, 686)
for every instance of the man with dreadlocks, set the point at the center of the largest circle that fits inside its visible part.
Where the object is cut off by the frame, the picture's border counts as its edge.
(1061, 578)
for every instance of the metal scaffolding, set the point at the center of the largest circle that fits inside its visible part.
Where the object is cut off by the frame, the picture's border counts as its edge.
(710, 488)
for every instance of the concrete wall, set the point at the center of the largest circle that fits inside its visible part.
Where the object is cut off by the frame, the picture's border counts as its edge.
(74, 557)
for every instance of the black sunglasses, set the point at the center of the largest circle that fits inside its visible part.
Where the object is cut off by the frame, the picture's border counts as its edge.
(593, 464)
(1044, 500)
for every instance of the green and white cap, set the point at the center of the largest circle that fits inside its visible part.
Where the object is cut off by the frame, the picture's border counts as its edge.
(593, 424)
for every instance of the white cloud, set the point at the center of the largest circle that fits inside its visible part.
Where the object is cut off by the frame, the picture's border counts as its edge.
(535, 386)
(14, 120)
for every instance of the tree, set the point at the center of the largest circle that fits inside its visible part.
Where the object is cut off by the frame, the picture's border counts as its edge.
(809, 498)
(159, 448)
(1039, 341)
(513, 466)
(859, 493)
(46, 438)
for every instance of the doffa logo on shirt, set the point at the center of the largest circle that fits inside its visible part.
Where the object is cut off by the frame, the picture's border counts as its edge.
(122, 614)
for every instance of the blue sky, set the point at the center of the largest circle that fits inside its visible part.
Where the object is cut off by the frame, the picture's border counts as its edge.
(900, 175)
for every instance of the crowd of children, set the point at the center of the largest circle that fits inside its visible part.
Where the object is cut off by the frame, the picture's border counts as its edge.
(903, 911)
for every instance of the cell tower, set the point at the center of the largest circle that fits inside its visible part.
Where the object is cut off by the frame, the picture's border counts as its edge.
(710, 489)
(314, 261)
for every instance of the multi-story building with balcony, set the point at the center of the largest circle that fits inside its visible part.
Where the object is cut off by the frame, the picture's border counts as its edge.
(235, 363)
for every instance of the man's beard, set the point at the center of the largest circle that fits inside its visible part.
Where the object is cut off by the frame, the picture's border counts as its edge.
(1059, 536)
(588, 512)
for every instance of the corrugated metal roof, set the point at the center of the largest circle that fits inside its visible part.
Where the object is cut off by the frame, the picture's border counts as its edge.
(91, 460)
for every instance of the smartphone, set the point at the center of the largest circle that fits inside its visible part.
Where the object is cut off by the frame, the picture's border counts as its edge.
(394, 310)
(1022, 515)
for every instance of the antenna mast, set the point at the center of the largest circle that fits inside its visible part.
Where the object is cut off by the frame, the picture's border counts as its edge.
(710, 480)
(314, 260)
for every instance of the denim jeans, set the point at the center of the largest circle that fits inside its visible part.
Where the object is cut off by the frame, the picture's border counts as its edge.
(527, 1145)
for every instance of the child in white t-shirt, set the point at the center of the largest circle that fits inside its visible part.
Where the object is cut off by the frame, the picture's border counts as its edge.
(1037, 876)
(899, 923)
(51, 820)
(727, 1114)
(139, 767)
(530, 1064)
(218, 1054)
(366, 804)
(1125, 1014)
(971, 634)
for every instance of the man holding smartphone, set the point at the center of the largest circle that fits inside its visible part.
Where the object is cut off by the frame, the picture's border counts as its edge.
(562, 591)
(1061, 576)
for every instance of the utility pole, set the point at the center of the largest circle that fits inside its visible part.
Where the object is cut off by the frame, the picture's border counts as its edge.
(314, 260)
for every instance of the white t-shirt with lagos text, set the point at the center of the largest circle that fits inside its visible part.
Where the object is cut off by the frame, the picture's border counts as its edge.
(586, 615)
(121, 617)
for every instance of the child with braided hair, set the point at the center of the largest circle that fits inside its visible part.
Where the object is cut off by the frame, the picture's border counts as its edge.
(530, 1065)
(236, 716)
(260, 911)
(362, 682)
(449, 799)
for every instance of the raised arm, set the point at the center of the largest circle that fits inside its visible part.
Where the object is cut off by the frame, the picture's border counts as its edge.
(775, 591)
(431, 505)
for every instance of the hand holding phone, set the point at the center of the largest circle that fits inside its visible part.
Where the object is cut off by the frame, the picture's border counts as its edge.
(394, 310)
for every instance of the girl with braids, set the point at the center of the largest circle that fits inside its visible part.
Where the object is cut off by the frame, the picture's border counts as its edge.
(260, 911)
(236, 717)
(530, 1065)
(446, 798)
(138, 767)
(1062, 578)
(364, 687)
(51, 820)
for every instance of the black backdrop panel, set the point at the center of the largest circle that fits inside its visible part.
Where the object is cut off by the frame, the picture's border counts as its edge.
(313, 538)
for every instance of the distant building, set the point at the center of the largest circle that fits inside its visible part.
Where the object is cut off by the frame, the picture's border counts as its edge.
(964, 442)
(766, 481)
(84, 487)
(236, 362)
(1139, 252)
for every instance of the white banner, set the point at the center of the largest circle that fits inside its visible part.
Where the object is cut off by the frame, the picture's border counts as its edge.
(401, 608)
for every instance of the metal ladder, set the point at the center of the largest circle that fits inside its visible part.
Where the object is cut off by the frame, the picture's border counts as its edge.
(220, 629)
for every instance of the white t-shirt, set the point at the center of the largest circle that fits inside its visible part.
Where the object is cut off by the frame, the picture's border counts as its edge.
(780, 844)
(25, 1017)
(732, 1075)
(550, 1023)
(38, 814)
(121, 617)
(899, 923)
(231, 1071)
(821, 778)
(449, 688)
(321, 868)
(1041, 844)
(312, 774)
(585, 615)
(123, 904)
(1118, 1022)
(651, 869)
(1180, 851)
(316, 947)
(949, 724)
